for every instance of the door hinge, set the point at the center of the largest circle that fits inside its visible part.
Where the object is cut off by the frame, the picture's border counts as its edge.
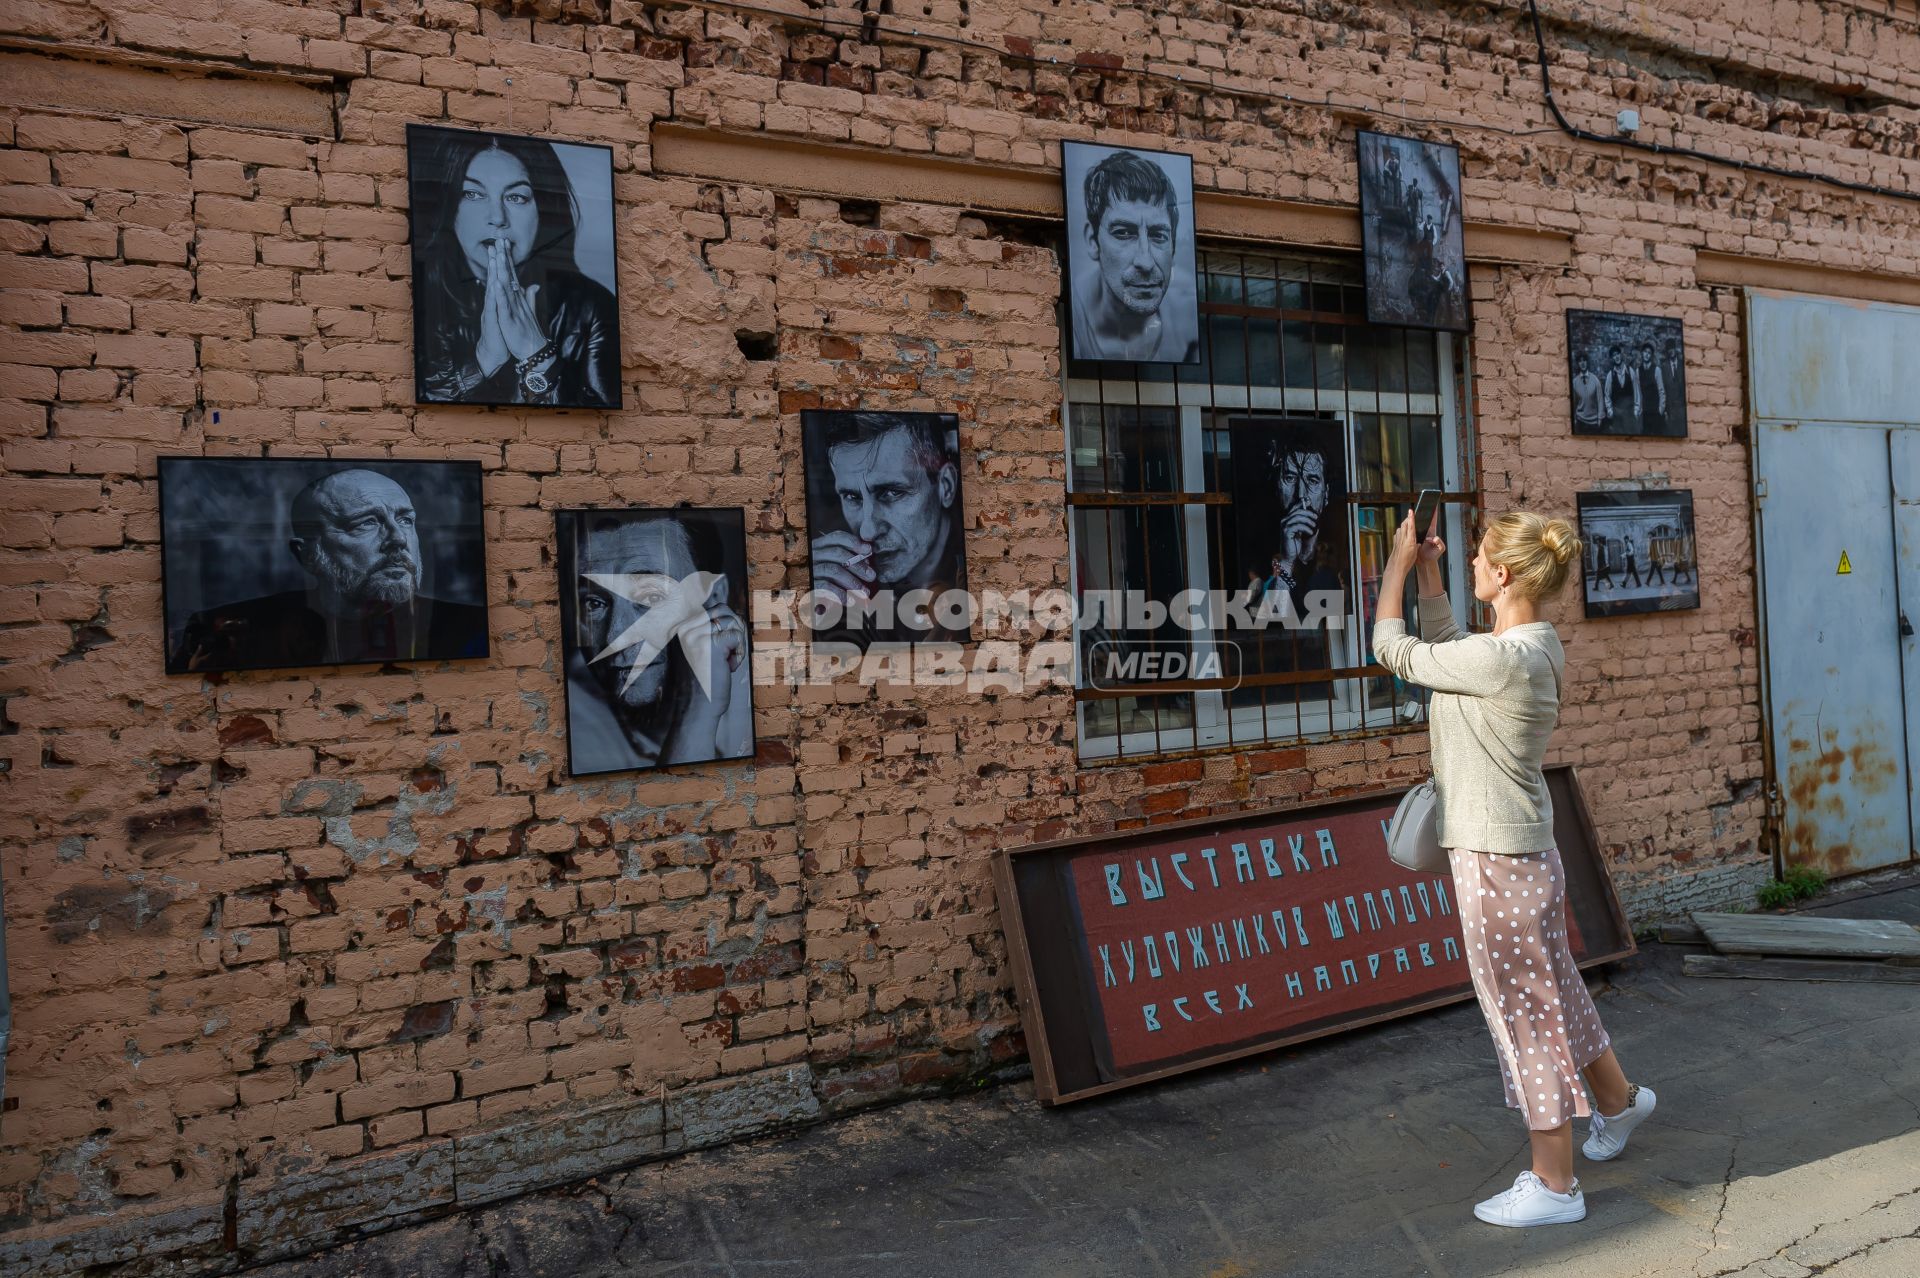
(1759, 490)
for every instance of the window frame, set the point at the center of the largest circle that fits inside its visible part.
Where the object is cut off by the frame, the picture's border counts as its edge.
(1355, 708)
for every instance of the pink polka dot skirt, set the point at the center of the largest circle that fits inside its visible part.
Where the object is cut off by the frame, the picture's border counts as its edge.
(1545, 1029)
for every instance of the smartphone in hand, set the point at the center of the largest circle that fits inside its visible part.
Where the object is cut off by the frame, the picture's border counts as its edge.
(1425, 511)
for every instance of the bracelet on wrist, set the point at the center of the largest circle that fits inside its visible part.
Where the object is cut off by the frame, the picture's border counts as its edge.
(531, 372)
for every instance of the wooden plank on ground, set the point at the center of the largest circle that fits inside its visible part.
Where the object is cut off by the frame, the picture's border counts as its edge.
(1682, 934)
(1809, 936)
(1789, 969)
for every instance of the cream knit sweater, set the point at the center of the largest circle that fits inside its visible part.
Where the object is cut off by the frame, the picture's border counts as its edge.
(1496, 699)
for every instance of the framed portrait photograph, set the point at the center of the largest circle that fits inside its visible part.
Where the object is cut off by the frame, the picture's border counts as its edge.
(1627, 374)
(515, 300)
(887, 523)
(653, 623)
(1290, 522)
(1639, 551)
(270, 563)
(1412, 233)
(1131, 275)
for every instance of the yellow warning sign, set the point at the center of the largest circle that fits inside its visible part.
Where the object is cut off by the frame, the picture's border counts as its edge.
(1845, 567)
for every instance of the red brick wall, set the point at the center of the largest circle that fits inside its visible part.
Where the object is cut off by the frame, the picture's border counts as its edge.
(266, 922)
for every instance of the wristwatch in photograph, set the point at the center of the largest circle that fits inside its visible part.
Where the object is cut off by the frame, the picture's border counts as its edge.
(532, 371)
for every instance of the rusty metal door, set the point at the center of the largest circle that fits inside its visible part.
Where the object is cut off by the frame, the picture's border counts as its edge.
(1836, 437)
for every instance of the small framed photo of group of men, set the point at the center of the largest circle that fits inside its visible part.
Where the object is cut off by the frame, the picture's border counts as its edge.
(1639, 551)
(1627, 374)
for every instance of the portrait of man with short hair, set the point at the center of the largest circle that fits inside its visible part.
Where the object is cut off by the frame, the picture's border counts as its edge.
(1131, 273)
(888, 524)
(653, 608)
(280, 563)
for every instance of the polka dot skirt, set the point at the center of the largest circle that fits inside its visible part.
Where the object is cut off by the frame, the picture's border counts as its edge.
(1545, 1029)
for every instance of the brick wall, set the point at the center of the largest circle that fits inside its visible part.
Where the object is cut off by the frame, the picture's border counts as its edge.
(274, 931)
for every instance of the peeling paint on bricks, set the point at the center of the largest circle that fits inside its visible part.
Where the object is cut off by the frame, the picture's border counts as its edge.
(301, 952)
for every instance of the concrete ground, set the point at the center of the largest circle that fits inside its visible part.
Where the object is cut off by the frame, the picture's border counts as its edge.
(1787, 1143)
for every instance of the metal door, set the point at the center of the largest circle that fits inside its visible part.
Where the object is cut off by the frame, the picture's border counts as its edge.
(1837, 478)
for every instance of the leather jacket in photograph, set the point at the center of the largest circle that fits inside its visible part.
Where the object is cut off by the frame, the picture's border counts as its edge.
(582, 372)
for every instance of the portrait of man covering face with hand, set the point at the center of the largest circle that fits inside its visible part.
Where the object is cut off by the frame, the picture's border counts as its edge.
(1290, 516)
(1131, 267)
(883, 501)
(658, 667)
(303, 563)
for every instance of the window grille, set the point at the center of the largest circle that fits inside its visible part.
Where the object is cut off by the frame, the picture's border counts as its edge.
(1149, 453)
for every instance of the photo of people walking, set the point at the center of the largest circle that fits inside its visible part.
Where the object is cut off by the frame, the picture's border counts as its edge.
(1639, 551)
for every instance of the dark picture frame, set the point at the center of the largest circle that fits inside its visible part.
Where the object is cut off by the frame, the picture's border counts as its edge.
(886, 512)
(1631, 538)
(550, 335)
(1412, 233)
(1292, 535)
(683, 568)
(1646, 395)
(273, 563)
(1119, 274)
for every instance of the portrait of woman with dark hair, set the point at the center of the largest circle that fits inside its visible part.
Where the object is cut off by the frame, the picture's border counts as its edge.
(513, 279)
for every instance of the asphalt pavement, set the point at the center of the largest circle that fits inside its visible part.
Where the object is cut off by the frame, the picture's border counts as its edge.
(1787, 1143)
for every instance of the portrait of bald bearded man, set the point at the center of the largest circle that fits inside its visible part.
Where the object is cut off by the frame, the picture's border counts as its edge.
(353, 535)
(1131, 254)
(657, 659)
(889, 540)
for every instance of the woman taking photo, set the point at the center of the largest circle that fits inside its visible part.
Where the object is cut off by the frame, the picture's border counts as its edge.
(1496, 699)
(503, 314)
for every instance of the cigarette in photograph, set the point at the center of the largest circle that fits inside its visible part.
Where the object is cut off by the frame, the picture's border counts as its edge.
(861, 558)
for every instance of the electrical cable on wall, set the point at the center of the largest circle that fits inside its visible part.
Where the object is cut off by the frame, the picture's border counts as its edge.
(1656, 148)
(869, 29)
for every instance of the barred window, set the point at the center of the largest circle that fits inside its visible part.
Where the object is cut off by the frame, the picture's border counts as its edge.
(1286, 353)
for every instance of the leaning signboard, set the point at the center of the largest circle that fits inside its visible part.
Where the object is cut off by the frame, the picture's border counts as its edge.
(1151, 952)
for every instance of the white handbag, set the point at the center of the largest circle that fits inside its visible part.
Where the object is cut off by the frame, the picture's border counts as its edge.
(1413, 835)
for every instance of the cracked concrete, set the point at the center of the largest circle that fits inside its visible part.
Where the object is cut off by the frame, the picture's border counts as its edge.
(1787, 1144)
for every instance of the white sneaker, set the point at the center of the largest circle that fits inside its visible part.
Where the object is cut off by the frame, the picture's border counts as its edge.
(1608, 1133)
(1530, 1202)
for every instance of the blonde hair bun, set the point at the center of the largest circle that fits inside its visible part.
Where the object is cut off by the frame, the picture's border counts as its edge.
(1561, 541)
(1538, 551)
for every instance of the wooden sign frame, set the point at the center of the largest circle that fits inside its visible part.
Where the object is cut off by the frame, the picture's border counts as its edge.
(1068, 1037)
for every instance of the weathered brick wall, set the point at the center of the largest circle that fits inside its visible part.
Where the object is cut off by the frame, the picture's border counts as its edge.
(273, 923)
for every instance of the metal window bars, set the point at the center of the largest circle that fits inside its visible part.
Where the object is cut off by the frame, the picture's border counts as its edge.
(1149, 486)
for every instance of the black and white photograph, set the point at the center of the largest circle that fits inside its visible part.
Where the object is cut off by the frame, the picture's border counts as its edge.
(1628, 374)
(1131, 274)
(1639, 551)
(887, 522)
(659, 664)
(1412, 233)
(515, 300)
(1290, 534)
(272, 563)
